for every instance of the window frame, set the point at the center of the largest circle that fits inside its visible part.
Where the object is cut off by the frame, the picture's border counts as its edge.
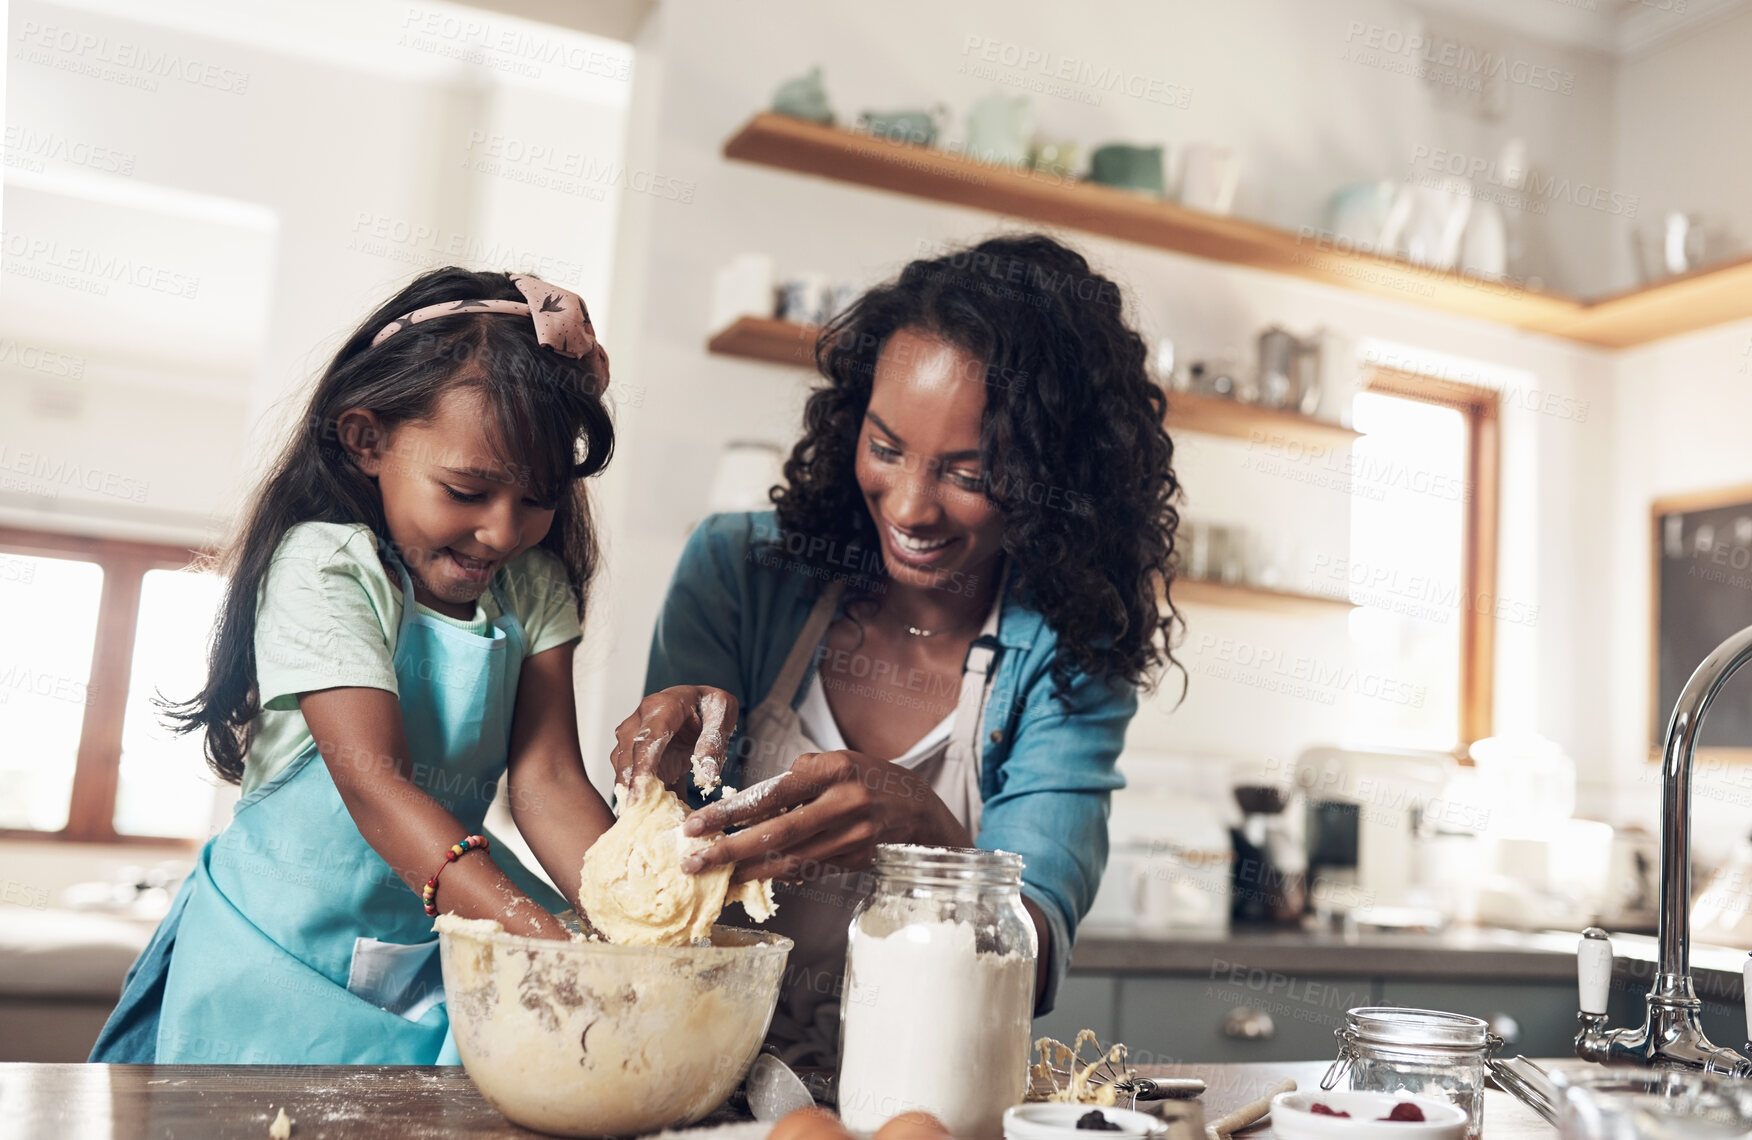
(91, 807)
(1481, 407)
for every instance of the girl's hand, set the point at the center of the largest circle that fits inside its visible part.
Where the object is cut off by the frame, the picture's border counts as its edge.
(676, 730)
(360, 735)
(832, 808)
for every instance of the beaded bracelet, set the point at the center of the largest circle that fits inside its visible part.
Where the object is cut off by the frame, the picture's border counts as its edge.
(430, 894)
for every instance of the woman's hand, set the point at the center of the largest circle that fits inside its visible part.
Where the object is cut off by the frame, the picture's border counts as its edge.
(676, 730)
(830, 808)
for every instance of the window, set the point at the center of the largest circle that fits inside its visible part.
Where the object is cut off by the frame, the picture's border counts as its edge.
(102, 626)
(51, 604)
(163, 784)
(1423, 561)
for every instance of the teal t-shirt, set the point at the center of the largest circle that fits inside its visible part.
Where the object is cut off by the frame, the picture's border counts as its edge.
(327, 615)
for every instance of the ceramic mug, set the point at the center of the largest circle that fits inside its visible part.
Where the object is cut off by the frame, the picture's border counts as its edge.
(1128, 167)
(743, 288)
(916, 127)
(1209, 175)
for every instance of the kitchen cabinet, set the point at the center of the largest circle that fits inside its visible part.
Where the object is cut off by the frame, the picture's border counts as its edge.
(1085, 1001)
(1256, 1016)
(1273, 1016)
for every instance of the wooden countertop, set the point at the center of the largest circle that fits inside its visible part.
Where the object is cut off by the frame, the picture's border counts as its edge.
(197, 1102)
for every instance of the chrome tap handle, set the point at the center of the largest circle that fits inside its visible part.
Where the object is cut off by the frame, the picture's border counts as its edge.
(1594, 974)
(1746, 995)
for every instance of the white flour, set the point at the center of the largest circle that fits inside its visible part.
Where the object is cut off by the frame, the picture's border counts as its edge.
(932, 1024)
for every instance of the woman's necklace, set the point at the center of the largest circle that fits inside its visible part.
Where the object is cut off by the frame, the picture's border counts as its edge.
(915, 631)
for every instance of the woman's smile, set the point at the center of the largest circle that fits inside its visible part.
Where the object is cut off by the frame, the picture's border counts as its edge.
(919, 464)
(916, 550)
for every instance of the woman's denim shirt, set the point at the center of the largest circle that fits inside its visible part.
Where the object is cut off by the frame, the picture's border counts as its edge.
(737, 603)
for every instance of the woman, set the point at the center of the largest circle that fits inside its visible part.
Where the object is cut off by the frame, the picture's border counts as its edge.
(943, 627)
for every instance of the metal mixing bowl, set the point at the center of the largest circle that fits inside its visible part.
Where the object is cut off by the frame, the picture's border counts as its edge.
(590, 1039)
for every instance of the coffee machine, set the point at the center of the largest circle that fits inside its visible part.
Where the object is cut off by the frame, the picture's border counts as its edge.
(1366, 814)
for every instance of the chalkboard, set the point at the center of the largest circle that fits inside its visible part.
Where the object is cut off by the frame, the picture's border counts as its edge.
(1703, 595)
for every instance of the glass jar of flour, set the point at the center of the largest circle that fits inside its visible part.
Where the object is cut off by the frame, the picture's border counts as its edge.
(939, 997)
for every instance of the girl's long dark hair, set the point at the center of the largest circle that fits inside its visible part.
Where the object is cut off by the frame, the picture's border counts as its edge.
(549, 425)
(1072, 443)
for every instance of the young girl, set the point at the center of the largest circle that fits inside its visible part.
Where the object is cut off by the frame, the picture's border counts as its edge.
(397, 633)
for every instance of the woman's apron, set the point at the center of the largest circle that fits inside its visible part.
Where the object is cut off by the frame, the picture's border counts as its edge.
(817, 913)
(294, 942)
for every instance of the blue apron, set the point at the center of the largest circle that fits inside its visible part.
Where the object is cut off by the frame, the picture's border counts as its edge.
(292, 941)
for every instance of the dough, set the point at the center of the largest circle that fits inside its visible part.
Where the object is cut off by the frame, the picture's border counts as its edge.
(633, 889)
(281, 1128)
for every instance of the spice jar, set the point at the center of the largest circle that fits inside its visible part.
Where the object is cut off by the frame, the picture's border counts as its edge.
(1424, 1051)
(939, 995)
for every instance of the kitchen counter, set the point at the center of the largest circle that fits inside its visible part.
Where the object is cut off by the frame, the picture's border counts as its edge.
(192, 1102)
(1460, 953)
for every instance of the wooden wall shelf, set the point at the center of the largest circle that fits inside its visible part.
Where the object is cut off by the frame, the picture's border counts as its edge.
(1214, 415)
(1198, 592)
(782, 342)
(1683, 304)
(762, 338)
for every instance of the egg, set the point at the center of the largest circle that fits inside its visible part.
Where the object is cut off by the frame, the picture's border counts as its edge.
(914, 1126)
(809, 1124)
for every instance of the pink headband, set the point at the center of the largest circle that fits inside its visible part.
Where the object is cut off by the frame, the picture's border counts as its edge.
(562, 323)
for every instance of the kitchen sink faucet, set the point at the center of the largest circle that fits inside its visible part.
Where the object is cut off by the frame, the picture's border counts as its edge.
(1671, 1035)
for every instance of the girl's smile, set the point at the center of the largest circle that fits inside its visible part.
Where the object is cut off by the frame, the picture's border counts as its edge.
(456, 513)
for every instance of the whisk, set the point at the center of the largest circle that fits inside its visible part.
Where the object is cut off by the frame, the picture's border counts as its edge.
(1105, 1080)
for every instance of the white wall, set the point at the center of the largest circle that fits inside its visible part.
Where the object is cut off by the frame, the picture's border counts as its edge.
(1683, 409)
(1682, 404)
(340, 149)
(1267, 78)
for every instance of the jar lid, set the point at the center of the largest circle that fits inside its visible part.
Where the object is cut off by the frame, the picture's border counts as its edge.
(1394, 1025)
(948, 864)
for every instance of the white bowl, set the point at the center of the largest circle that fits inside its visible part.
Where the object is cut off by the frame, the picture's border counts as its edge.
(1292, 1120)
(1059, 1122)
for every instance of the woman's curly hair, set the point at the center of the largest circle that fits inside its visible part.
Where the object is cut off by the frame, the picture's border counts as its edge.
(1072, 445)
